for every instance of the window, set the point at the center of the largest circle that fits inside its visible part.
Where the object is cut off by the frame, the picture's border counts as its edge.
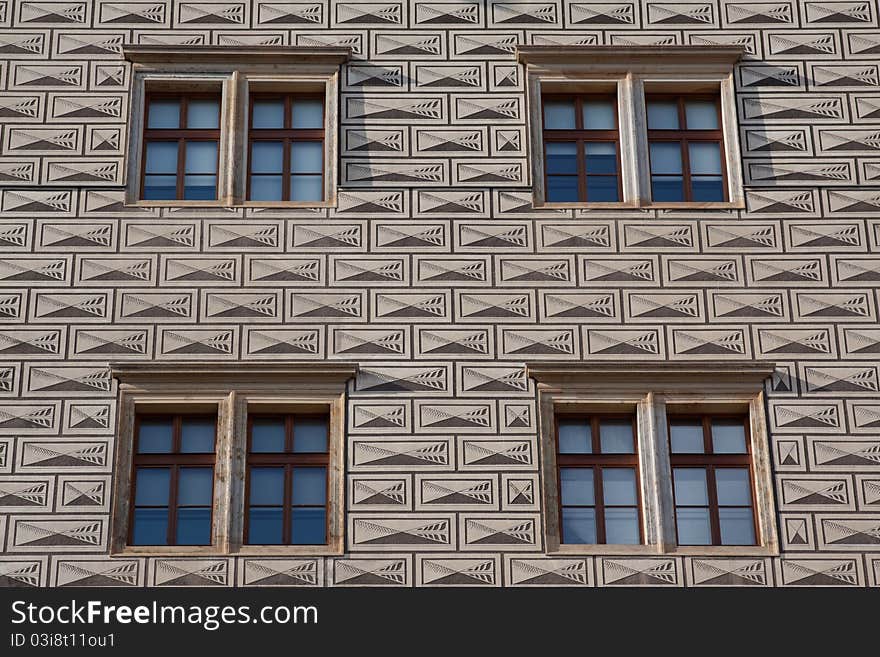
(287, 480)
(663, 459)
(711, 471)
(598, 479)
(581, 148)
(249, 463)
(256, 128)
(634, 126)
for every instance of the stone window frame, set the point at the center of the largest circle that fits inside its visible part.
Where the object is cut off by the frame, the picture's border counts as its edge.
(629, 70)
(234, 71)
(648, 391)
(232, 391)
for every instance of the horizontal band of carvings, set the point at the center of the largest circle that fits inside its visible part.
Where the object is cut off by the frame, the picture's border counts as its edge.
(296, 373)
(235, 56)
(671, 59)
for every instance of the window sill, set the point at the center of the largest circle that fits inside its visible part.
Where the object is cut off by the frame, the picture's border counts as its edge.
(722, 551)
(708, 205)
(572, 550)
(231, 206)
(211, 551)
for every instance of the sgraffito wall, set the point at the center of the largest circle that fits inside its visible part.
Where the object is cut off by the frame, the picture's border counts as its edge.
(437, 275)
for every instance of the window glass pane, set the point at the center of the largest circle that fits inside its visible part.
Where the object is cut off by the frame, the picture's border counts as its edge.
(266, 486)
(705, 157)
(152, 486)
(686, 437)
(309, 486)
(662, 115)
(267, 157)
(154, 436)
(616, 436)
(306, 157)
(559, 115)
(164, 114)
(737, 526)
(161, 157)
(690, 486)
(601, 157)
(562, 189)
(602, 189)
(268, 114)
(203, 113)
(200, 188)
(701, 115)
(598, 114)
(579, 525)
(733, 486)
(561, 157)
(707, 188)
(194, 526)
(665, 157)
(308, 526)
(575, 437)
(267, 434)
(622, 526)
(150, 527)
(619, 486)
(194, 486)
(265, 526)
(308, 113)
(576, 486)
(197, 435)
(306, 188)
(667, 188)
(693, 526)
(728, 437)
(310, 434)
(160, 188)
(201, 157)
(266, 188)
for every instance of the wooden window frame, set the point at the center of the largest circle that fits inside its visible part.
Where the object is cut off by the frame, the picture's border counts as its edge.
(286, 135)
(709, 461)
(580, 136)
(598, 461)
(181, 135)
(683, 136)
(288, 460)
(173, 460)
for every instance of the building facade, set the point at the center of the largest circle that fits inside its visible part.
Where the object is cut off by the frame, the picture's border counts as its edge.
(448, 319)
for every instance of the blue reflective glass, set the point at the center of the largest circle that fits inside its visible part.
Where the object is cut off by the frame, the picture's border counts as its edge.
(701, 115)
(306, 157)
(622, 526)
(575, 437)
(267, 434)
(728, 437)
(194, 526)
(665, 157)
(154, 436)
(737, 526)
(602, 189)
(601, 157)
(201, 157)
(164, 114)
(619, 486)
(197, 435)
(200, 188)
(265, 526)
(667, 189)
(152, 486)
(266, 188)
(598, 114)
(733, 486)
(195, 486)
(562, 189)
(267, 157)
(561, 157)
(690, 486)
(309, 485)
(707, 188)
(308, 113)
(308, 527)
(616, 436)
(686, 437)
(310, 434)
(704, 157)
(268, 114)
(663, 115)
(150, 527)
(576, 486)
(267, 486)
(160, 188)
(559, 115)
(161, 157)
(306, 188)
(579, 525)
(203, 114)
(693, 526)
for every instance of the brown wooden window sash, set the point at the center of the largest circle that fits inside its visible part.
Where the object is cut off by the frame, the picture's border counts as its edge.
(709, 461)
(580, 136)
(181, 135)
(597, 461)
(286, 136)
(684, 136)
